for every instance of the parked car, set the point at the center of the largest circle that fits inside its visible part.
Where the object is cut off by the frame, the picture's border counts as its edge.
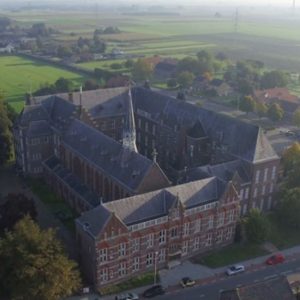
(235, 270)
(154, 291)
(187, 282)
(275, 259)
(127, 296)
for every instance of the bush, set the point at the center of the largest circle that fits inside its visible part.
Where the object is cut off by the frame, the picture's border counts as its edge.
(116, 66)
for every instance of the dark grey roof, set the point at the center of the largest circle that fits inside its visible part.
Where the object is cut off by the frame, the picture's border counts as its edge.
(155, 204)
(39, 128)
(127, 167)
(243, 140)
(32, 113)
(196, 131)
(55, 165)
(224, 171)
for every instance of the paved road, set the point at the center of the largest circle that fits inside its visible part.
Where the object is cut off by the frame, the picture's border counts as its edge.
(211, 290)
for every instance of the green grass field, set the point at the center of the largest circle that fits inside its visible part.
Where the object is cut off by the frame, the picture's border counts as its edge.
(19, 76)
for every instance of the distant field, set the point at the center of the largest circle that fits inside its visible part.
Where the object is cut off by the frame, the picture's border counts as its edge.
(19, 76)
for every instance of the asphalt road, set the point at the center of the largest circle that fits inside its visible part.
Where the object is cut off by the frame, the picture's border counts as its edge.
(212, 291)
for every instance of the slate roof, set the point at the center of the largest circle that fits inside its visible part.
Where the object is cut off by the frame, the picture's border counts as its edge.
(39, 128)
(155, 204)
(244, 140)
(127, 167)
(275, 289)
(31, 113)
(224, 171)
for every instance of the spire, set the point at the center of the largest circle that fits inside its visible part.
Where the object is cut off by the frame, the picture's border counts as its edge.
(129, 134)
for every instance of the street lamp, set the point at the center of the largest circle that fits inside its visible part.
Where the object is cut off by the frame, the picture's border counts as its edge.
(155, 266)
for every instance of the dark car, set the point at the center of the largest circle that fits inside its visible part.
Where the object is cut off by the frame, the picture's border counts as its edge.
(154, 291)
(275, 259)
(187, 282)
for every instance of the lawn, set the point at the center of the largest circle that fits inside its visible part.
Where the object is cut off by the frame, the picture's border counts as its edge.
(19, 76)
(230, 255)
(56, 205)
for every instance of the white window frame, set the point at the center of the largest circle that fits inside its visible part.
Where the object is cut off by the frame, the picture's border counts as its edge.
(162, 236)
(185, 247)
(136, 264)
(122, 249)
(149, 259)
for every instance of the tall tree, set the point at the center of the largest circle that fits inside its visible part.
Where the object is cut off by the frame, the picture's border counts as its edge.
(257, 227)
(5, 134)
(291, 156)
(142, 70)
(261, 109)
(185, 79)
(275, 112)
(247, 104)
(273, 79)
(34, 266)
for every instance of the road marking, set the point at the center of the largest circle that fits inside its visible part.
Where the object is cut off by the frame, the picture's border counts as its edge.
(271, 276)
(286, 272)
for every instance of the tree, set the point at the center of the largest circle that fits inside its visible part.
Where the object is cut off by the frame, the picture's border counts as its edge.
(296, 118)
(34, 266)
(91, 84)
(189, 64)
(129, 63)
(261, 109)
(171, 83)
(64, 51)
(185, 79)
(205, 61)
(273, 79)
(15, 207)
(142, 70)
(63, 85)
(275, 112)
(288, 209)
(39, 29)
(247, 104)
(257, 227)
(291, 156)
(5, 134)
(4, 23)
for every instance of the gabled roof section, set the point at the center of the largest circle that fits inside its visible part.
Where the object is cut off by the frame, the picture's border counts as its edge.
(32, 113)
(141, 208)
(263, 149)
(107, 154)
(196, 131)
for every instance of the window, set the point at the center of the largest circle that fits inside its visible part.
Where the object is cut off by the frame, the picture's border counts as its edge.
(210, 222)
(241, 194)
(208, 239)
(231, 215)
(104, 275)
(229, 233)
(138, 137)
(135, 244)
(197, 225)
(263, 191)
(153, 129)
(162, 237)
(146, 141)
(186, 229)
(271, 188)
(273, 172)
(139, 123)
(122, 249)
(266, 174)
(246, 193)
(255, 193)
(174, 232)
(150, 240)
(136, 264)
(102, 255)
(122, 269)
(162, 255)
(146, 126)
(219, 236)
(221, 217)
(149, 259)
(257, 174)
(36, 156)
(185, 247)
(196, 245)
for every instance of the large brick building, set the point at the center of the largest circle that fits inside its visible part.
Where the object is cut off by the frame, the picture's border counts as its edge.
(99, 146)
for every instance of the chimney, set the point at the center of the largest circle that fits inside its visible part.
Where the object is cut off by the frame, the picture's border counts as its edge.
(70, 97)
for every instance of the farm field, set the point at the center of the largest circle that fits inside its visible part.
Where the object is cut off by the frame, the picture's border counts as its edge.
(19, 76)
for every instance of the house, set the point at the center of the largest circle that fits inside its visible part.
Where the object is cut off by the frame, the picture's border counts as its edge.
(276, 288)
(158, 229)
(118, 81)
(220, 88)
(282, 96)
(7, 48)
(166, 68)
